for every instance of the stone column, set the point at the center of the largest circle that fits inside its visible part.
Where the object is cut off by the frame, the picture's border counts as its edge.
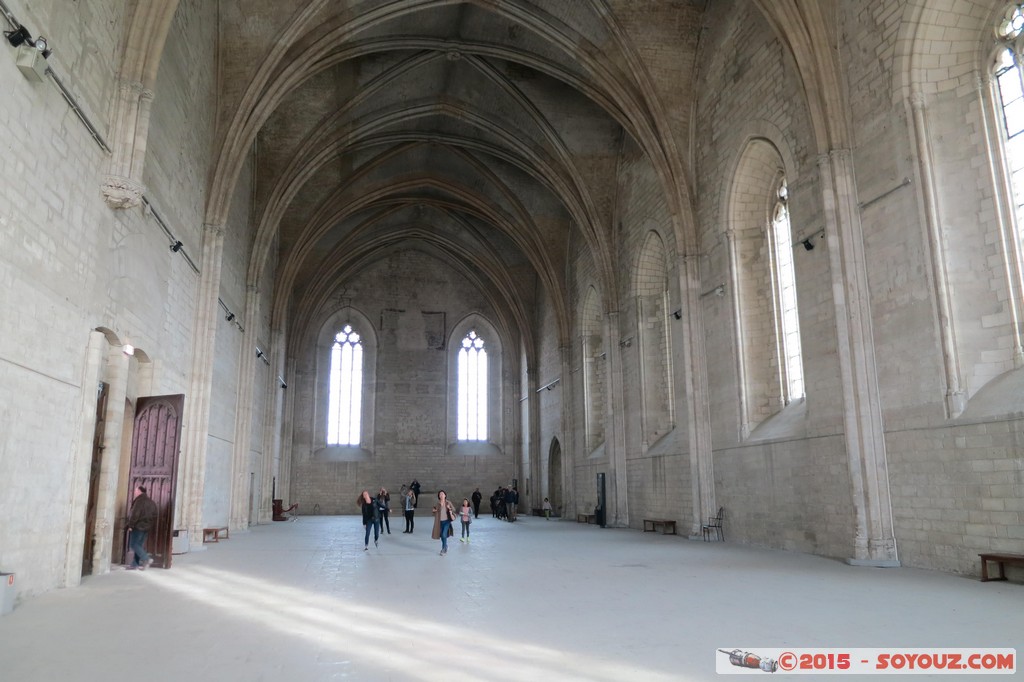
(956, 398)
(615, 428)
(196, 427)
(532, 414)
(695, 395)
(568, 439)
(874, 541)
(280, 428)
(244, 418)
(568, 429)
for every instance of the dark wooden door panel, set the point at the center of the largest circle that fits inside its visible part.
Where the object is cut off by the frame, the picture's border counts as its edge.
(156, 441)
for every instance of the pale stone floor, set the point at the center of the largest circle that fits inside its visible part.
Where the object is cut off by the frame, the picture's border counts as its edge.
(301, 601)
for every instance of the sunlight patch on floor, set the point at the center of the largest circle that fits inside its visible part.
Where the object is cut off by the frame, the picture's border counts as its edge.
(415, 647)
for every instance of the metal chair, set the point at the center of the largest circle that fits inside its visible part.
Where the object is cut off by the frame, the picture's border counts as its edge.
(714, 525)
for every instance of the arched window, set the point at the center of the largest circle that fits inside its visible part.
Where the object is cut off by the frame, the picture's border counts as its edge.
(472, 388)
(346, 388)
(769, 364)
(1011, 101)
(787, 319)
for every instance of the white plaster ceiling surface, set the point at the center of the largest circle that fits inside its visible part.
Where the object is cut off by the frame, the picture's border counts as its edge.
(481, 132)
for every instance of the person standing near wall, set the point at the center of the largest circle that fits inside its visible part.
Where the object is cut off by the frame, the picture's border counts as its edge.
(140, 522)
(415, 485)
(384, 508)
(409, 505)
(477, 496)
(370, 519)
(444, 514)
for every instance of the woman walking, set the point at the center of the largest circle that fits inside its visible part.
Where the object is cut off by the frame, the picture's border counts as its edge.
(444, 514)
(466, 516)
(410, 508)
(371, 518)
(384, 507)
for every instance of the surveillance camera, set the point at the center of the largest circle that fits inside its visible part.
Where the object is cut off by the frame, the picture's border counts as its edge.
(284, 385)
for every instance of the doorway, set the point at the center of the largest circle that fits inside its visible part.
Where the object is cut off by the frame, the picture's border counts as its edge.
(89, 546)
(156, 440)
(555, 476)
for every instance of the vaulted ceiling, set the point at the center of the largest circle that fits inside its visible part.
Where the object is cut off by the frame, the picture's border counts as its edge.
(485, 133)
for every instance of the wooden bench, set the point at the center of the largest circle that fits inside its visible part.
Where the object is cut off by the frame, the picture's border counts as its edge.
(667, 526)
(586, 518)
(214, 534)
(1001, 559)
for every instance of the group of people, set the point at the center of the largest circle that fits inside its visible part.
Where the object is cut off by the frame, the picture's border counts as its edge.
(376, 509)
(505, 503)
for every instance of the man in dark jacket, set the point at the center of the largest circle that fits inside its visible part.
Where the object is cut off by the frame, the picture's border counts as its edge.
(141, 521)
(477, 496)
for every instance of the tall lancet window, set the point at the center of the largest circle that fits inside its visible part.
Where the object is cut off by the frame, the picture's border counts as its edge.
(1011, 95)
(787, 319)
(346, 388)
(472, 388)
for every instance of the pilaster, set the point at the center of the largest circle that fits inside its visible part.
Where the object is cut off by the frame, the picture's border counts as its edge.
(615, 426)
(197, 403)
(122, 186)
(695, 394)
(956, 398)
(874, 542)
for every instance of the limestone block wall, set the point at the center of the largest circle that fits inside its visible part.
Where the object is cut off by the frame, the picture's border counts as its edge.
(410, 437)
(957, 492)
(549, 404)
(641, 357)
(232, 342)
(955, 479)
(784, 484)
(658, 480)
(54, 225)
(73, 266)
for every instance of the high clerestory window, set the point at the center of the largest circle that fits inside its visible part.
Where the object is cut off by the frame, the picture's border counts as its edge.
(1011, 95)
(346, 384)
(472, 388)
(787, 318)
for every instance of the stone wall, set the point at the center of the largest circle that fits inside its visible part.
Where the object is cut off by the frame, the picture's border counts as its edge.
(412, 396)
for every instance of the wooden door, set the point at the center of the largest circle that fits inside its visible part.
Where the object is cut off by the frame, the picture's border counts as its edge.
(156, 441)
(89, 545)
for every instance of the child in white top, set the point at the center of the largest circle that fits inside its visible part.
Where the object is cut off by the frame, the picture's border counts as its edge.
(547, 509)
(466, 516)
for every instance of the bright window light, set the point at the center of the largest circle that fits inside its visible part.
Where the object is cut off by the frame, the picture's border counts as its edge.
(472, 388)
(787, 317)
(346, 388)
